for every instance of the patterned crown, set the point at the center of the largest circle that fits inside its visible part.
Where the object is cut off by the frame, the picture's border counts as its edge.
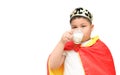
(81, 12)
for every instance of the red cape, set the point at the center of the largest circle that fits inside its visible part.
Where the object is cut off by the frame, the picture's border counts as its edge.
(96, 59)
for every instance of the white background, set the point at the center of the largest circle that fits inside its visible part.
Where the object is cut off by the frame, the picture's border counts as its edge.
(30, 29)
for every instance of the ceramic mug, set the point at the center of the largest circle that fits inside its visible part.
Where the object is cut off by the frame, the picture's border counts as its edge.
(77, 36)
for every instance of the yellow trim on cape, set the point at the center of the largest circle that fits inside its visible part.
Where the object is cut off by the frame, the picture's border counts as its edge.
(60, 70)
(92, 41)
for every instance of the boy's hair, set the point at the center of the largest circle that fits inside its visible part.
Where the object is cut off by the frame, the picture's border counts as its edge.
(80, 17)
(81, 12)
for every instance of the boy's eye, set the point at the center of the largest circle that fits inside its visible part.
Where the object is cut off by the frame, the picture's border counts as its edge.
(74, 27)
(83, 26)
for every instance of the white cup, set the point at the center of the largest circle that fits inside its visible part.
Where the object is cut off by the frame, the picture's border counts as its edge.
(77, 36)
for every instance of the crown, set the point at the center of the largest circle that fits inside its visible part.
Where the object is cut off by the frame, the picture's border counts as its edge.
(81, 12)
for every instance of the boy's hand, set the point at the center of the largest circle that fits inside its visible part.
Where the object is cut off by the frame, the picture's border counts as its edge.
(67, 36)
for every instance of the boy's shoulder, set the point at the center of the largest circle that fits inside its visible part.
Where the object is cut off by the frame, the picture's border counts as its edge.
(96, 43)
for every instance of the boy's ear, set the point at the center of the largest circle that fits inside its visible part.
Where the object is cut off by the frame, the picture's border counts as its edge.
(92, 27)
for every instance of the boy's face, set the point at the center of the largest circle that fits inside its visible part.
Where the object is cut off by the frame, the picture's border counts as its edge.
(84, 25)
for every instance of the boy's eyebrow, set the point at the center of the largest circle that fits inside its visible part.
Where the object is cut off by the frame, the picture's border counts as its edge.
(79, 24)
(83, 23)
(72, 25)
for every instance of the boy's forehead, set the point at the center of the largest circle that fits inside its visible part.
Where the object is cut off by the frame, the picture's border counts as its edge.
(80, 20)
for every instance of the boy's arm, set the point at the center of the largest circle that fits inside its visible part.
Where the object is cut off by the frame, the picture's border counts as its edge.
(57, 57)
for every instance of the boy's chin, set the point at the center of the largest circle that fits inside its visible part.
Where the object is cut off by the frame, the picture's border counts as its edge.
(84, 40)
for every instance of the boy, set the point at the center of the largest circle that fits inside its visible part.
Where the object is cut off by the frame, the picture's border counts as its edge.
(90, 57)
